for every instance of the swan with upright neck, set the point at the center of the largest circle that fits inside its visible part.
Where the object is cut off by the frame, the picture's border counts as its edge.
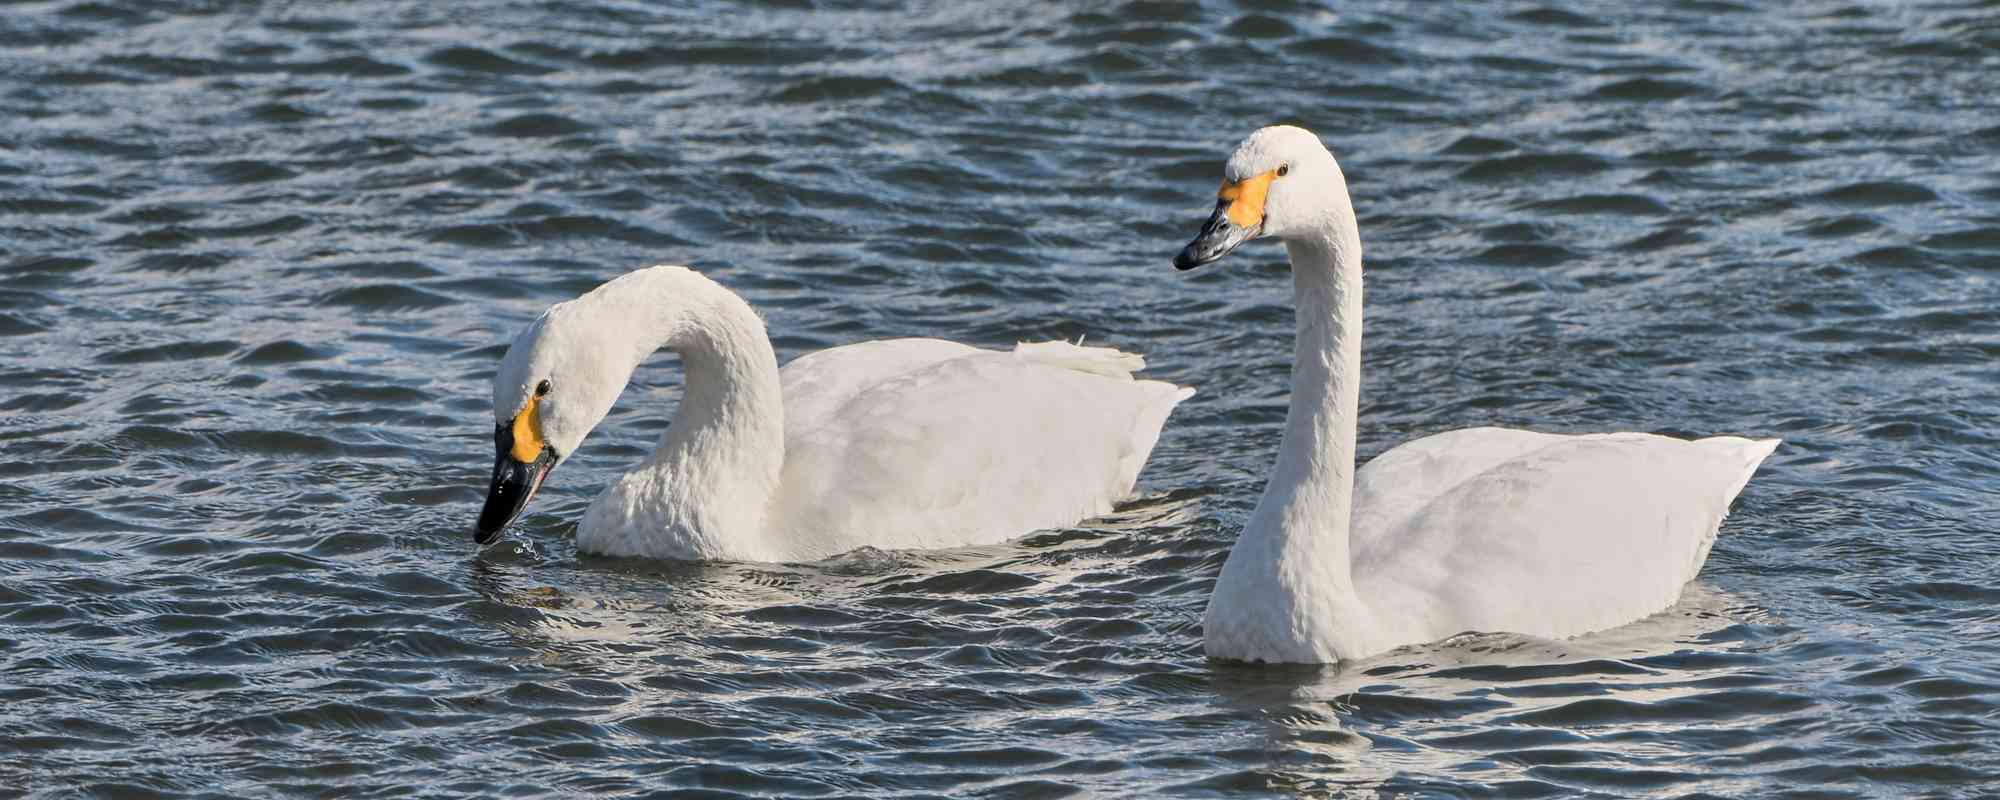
(899, 443)
(1483, 529)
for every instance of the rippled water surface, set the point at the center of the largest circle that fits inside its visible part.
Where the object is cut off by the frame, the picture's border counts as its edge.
(258, 263)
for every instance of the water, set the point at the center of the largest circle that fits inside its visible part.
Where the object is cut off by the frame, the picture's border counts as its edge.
(260, 262)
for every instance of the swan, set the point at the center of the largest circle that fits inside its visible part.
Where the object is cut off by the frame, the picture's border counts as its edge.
(898, 443)
(1484, 529)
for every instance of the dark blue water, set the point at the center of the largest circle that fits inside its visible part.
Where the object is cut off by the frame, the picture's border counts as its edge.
(258, 263)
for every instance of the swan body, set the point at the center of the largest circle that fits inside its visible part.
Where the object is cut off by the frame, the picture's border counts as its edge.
(1483, 529)
(901, 443)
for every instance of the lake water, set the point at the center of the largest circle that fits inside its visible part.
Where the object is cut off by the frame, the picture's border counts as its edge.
(259, 262)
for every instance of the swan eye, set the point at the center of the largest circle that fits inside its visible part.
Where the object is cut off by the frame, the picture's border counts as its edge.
(542, 389)
(1283, 169)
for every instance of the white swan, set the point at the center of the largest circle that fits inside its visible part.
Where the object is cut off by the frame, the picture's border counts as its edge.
(901, 443)
(1483, 529)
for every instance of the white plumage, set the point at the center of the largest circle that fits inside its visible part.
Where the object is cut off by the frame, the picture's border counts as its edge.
(1484, 529)
(904, 443)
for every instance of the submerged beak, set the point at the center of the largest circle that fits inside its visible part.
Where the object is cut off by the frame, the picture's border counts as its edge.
(1238, 218)
(514, 484)
(521, 462)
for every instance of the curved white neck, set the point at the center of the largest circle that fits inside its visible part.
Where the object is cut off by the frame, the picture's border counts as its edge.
(720, 459)
(1314, 475)
(1300, 527)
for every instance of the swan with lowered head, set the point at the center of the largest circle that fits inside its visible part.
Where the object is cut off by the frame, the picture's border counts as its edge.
(1483, 529)
(898, 443)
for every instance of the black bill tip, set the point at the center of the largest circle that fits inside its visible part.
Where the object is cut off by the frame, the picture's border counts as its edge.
(1218, 237)
(1188, 258)
(514, 484)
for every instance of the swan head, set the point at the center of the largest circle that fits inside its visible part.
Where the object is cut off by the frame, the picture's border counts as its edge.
(555, 384)
(1281, 182)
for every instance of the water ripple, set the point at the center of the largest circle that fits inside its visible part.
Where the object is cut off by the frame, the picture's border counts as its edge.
(257, 266)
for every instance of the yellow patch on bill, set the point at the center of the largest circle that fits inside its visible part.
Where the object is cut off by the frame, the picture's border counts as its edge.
(1246, 198)
(528, 442)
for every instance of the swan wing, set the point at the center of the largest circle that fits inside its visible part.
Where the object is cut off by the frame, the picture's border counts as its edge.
(973, 449)
(1398, 484)
(816, 384)
(1499, 530)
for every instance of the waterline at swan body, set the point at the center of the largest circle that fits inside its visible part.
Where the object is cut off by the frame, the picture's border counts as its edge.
(900, 443)
(1483, 529)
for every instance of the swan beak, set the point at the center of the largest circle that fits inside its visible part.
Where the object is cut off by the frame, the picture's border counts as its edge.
(514, 484)
(1238, 218)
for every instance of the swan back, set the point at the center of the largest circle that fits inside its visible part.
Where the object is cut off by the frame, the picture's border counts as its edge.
(817, 384)
(944, 445)
(1490, 529)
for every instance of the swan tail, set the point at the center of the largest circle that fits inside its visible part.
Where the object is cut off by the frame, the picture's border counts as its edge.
(1156, 399)
(1161, 398)
(1753, 457)
(1751, 454)
(1109, 362)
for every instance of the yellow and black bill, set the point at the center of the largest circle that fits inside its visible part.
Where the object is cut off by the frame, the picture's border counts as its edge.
(521, 462)
(1238, 218)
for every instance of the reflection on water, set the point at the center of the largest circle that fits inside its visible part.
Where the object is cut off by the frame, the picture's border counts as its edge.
(1486, 707)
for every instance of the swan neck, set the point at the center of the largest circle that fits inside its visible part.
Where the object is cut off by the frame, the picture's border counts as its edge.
(1289, 579)
(731, 404)
(709, 482)
(1316, 458)
(731, 416)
